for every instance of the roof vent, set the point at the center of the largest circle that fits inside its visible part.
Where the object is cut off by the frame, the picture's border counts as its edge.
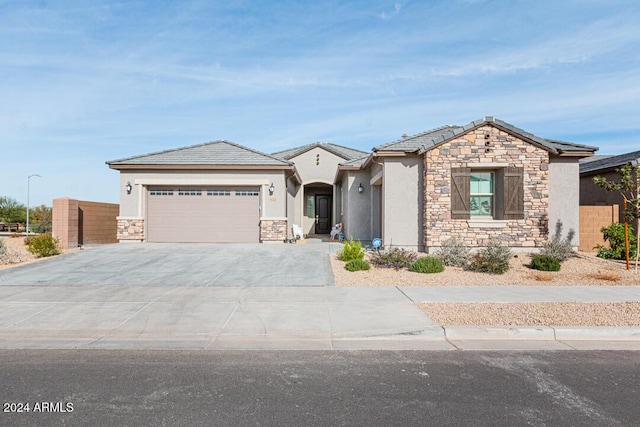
(404, 135)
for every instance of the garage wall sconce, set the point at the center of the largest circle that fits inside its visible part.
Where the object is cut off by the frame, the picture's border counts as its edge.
(128, 187)
(271, 189)
(360, 188)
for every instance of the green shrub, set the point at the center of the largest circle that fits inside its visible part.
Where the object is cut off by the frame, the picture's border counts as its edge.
(614, 234)
(351, 250)
(44, 245)
(3, 248)
(493, 259)
(427, 264)
(357, 265)
(453, 252)
(557, 247)
(394, 258)
(545, 263)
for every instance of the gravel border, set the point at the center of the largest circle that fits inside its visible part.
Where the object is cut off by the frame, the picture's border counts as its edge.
(534, 314)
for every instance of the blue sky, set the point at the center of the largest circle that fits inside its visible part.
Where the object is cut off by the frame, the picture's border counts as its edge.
(83, 82)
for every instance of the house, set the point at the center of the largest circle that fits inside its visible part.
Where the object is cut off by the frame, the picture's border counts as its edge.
(485, 180)
(224, 192)
(605, 166)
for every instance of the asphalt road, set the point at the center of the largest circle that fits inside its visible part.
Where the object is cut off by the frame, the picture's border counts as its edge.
(320, 388)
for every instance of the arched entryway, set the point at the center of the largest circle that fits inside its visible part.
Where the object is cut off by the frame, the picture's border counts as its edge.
(317, 208)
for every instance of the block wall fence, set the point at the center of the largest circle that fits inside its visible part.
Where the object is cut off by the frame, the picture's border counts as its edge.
(79, 222)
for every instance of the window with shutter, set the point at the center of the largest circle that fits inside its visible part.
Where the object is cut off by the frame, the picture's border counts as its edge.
(493, 194)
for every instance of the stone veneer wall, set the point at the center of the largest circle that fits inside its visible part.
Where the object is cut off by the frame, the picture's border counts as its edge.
(468, 149)
(130, 229)
(273, 230)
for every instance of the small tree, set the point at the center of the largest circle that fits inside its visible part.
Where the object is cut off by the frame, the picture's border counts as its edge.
(41, 219)
(12, 211)
(628, 187)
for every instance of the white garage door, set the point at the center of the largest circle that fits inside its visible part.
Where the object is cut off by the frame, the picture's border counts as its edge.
(202, 215)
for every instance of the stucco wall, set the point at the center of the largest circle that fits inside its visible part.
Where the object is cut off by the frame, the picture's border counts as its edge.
(564, 198)
(272, 206)
(317, 165)
(403, 202)
(470, 149)
(359, 225)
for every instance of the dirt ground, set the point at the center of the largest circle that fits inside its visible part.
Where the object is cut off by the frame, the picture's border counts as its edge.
(582, 269)
(16, 252)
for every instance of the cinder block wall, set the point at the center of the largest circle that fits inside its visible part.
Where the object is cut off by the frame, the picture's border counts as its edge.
(81, 222)
(592, 219)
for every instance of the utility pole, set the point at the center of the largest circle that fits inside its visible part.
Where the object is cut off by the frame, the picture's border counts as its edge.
(28, 184)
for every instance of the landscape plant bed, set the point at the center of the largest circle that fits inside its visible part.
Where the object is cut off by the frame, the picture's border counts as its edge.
(534, 314)
(582, 269)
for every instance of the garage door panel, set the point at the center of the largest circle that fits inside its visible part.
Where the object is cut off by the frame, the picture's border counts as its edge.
(203, 218)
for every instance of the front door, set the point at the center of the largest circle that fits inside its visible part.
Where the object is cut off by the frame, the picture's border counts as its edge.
(323, 214)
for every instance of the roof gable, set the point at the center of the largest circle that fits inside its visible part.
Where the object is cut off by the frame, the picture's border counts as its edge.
(550, 145)
(339, 150)
(215, 153)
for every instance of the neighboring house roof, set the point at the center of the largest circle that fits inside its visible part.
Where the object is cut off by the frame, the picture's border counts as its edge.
(215, 153)
(610, 162)
(425, 141)
(340, 151)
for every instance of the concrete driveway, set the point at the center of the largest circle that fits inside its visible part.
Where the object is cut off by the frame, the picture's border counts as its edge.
(157, 264)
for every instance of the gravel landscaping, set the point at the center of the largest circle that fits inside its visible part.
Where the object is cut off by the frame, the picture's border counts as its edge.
(534, 314)
(582, 269)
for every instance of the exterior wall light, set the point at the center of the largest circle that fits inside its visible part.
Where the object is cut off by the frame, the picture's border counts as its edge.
(271, 189)
(360, 188)
(128, 187)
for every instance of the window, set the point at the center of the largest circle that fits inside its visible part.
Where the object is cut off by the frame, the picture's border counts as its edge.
(481, 185)
(161, 192)
(218, 192)
(311, 206)
(247, 193)
(497, 194)
(189, 192)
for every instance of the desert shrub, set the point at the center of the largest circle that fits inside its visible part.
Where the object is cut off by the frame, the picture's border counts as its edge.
(427, 264)
(614, 234)
(3, 248)
(27, 240)
(493, 259)
(557, 247)
(394, 258)
(545, 263)
(351, 250)
(357, 265)
(453, 252)
(44, 245)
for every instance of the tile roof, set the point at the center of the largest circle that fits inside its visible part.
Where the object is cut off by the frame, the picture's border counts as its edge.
(210, 153)
(415, 142)
(339, 150)
(610, 162)
(355, 162)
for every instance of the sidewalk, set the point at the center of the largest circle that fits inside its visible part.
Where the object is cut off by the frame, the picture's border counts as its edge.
(287, 318)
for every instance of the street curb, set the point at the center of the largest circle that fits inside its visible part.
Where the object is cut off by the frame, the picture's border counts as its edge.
(523, 333)
(542, 333)
(597, 333)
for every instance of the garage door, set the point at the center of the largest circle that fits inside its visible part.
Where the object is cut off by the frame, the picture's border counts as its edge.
(202, 215)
